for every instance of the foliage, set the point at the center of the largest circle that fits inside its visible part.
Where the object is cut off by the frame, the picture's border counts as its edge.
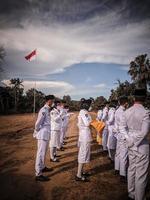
(2, 56)
(140, 71)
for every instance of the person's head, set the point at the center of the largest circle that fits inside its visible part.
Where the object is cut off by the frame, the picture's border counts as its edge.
(85, 104)
(123, 101)
(101, 106)
(66, 107)
(49, 99)
(106, 104)
(63, 103)
(113, 103)
(57, 104)
(139, 95)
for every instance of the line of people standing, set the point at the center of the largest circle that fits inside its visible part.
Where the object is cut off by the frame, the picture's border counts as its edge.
(125, 139)
(50, 131)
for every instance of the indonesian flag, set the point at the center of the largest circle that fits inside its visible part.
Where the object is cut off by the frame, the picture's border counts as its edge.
(31, 56)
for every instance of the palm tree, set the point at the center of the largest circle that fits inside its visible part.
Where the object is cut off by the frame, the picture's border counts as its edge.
(140, 71)
(17, 84)
(2, 55)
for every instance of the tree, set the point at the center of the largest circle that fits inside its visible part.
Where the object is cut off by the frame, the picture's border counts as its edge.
(39, 96)
(2, 55)
(6, 99)
(123, 88)
(67, 98)
(140, 71)
(98, 101)
(18, 89)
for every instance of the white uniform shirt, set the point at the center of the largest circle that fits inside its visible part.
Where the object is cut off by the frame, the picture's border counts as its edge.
(66, 117)
(63, 115)
(118, 115)
(135, 125)
(84, 120)
(111, 117)
(99, 115)
(105, 114)
(105, 117)
(56, 121)
(42, 125)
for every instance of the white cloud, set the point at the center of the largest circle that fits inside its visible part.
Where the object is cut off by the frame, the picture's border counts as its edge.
(100, 86)
(100, 39)
(90, 91)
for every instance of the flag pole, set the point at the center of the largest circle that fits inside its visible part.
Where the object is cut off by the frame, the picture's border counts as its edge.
(34, 99)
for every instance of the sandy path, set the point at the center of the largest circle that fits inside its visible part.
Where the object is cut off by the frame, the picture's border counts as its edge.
(17, 151)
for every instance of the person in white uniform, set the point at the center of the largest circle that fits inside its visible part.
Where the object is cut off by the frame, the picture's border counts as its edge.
(111, 142)
(99, 118)
(135, 126)
(42, 134)
(84, 140)
(66, 121)
(62, 112)
(105, 131)
(121, 156)
(56, 125)
(100, 113)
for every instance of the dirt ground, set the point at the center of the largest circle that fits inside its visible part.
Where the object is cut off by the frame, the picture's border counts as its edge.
(17, 157)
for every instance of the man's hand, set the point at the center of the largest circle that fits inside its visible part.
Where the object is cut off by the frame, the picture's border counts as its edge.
(129, 142)
(34, 133)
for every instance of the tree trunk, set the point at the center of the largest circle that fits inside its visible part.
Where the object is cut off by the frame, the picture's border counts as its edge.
(15, 100)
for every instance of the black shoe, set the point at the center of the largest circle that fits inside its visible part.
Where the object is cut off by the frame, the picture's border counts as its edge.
(46, 169)
(57, 156)
(42, 178)
(82, 179)
(54, 160)
(116, 172)
(62, 149)
(86, 174)
(64, 143)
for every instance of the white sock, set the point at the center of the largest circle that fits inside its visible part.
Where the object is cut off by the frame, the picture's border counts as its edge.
(55, 151)
(80, 167)
(52, 153)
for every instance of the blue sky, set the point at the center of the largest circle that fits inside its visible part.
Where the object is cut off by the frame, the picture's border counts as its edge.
(83, 46)
(103, 77)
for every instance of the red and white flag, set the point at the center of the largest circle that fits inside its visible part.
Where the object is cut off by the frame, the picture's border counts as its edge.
(31, 56)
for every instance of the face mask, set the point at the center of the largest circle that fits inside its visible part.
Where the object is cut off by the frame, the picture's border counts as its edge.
(52, 105)
(90, 108)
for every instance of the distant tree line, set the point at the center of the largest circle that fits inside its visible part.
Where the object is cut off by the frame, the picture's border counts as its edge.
(13, 99)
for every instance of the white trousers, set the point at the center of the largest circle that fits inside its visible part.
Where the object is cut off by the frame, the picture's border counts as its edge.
(104, 139)
(40, 157)
(55, 139)
(62, 135)
(84, 152)
(65, 131)
(137, 174)
(121, 158)
(111, 140)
